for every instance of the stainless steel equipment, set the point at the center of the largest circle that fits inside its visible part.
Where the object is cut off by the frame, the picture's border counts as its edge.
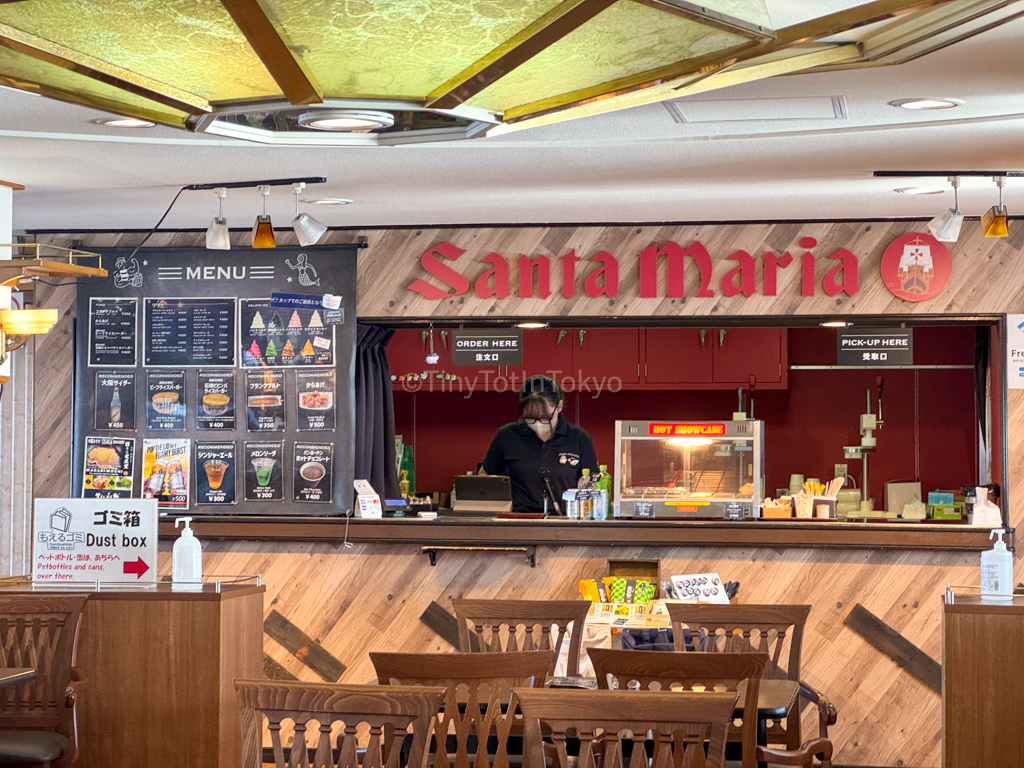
(669, 469)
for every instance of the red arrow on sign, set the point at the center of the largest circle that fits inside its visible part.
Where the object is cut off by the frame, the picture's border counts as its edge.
(139, 567)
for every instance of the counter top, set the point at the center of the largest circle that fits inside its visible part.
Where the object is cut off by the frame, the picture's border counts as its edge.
(161, 591)
(452, 529)
(974, 604)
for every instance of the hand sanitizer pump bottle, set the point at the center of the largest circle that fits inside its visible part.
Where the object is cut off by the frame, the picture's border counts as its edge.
(997, 571)
(187, 560)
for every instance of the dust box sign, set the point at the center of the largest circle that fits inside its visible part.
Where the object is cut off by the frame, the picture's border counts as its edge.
(109, 540)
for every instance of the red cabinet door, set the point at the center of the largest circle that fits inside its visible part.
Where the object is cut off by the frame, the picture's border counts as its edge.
(740, 353)
(679, 356)
(601, 355)
(546, 351)
(406, 352)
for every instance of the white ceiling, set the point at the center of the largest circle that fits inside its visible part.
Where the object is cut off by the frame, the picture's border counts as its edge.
(636, 165)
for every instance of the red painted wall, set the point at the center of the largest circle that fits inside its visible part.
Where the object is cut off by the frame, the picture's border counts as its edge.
(929, 432)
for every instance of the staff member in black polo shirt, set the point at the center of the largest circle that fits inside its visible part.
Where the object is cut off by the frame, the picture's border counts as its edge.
(540, 446)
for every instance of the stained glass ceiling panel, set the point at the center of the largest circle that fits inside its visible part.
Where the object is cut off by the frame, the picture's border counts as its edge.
(15, 67)
(397, 48)
(191, 44)
(622, 40)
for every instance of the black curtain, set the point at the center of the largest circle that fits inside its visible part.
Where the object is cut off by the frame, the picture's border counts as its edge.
(375, 412)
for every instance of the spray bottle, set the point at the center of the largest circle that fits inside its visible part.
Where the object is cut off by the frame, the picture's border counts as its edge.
(187, 560)
(997, 570)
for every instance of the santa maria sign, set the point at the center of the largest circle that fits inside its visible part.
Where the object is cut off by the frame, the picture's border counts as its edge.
(675, 271)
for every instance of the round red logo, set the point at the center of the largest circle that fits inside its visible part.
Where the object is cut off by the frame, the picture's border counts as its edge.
(916, 267)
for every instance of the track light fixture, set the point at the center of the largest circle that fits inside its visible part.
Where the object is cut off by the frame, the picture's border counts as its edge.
(307, 229)
(993, 221)
(946, 226)
(217, 236)
(263, 230)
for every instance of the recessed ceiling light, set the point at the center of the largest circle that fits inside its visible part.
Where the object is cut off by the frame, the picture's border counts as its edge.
(926, 103)
(327, 201)
(531, 325)
(920, 190)
(352, 120)
(835, 324)
(125, 122)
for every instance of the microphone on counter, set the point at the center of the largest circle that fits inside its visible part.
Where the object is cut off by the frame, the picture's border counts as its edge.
(545, 476)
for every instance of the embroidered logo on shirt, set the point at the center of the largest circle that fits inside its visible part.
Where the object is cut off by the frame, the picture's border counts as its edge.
(571, 459)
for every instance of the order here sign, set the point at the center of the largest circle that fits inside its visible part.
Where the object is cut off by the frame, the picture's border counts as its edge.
(875, 347)
(110, 540)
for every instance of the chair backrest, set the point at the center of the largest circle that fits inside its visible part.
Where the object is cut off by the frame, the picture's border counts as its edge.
(523, 625)
(40, 631)
(682, 725)
(656, 671)
(479, 686)
(337, 709)
(777, 630)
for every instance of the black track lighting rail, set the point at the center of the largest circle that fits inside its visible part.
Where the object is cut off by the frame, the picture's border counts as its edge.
(260, 183)
(945, 174)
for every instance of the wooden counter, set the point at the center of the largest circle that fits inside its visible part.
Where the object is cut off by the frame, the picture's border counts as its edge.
(159, 668)
(481, 531)
(982, 688)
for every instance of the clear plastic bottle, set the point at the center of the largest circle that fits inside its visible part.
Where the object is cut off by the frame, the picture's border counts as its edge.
(186, 560)
(603, 484)
(997, 570)
(585, 495)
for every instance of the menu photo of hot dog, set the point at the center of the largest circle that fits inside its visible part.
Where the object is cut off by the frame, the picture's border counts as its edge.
(109, 468)
(264, 400)
(315, 400)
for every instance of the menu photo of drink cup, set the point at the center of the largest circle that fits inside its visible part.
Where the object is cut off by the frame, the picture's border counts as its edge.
(165, 471)
(109, 468)
(215, 473)
(215, 396)
(315, 400)
(264, 471)
(313, 479)
(264, 400)
(115, 400)
(165, 400)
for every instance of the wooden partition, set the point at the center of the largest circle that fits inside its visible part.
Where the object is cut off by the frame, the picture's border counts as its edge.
(874, 636)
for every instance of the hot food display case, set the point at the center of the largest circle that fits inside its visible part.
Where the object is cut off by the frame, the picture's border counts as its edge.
(690, 470)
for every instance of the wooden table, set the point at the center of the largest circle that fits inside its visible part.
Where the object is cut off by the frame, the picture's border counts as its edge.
(982, 690)
(15, 675)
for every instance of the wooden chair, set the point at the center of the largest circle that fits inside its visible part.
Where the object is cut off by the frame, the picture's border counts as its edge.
(37, 718)
(658, 671)
(389, 713)
(478, 709)
(528, 625)
(777, 630)
(706, 671)
(682, 726)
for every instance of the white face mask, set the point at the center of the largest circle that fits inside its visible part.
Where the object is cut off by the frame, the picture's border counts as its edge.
(540, 429)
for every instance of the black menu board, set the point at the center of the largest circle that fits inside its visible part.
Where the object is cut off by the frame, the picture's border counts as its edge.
(113, 332)
(215, 473)
(189, 332)
(312, 472)
(115, 400)
(215, 400)
(165, 401)
(284, 337)
(186, 379)
(315, 400)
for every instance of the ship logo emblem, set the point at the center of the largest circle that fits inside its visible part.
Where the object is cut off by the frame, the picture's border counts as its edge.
(916, 267)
